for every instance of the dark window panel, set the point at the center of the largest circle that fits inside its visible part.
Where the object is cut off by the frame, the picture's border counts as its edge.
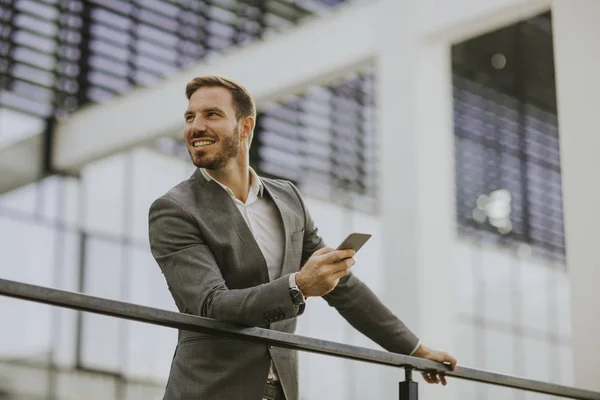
(323, 134)
(506, 134)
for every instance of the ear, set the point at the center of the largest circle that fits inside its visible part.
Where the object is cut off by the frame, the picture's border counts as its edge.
(247, 127)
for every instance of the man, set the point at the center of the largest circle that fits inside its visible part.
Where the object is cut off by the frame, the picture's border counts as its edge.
(243, 249)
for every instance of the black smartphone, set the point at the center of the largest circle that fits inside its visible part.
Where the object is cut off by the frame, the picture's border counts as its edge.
(354, 241)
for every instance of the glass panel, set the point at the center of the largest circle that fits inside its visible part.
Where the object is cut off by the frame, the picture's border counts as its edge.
(567, 368)
(22, 200)
(465, 342)
(311, 374)
(563, 302)
(464, 279)
(538, 396)
(533, 289)
(498, 269)
(537, 359)
(104, 195)
(147, 286)
(71, 204)
(102, 337)
(146, 189)
(501, 393)
(18, 240)
(468, 390)
(50, 190)
(65, 327)
(25, 333)
(333, 221)
(499, 351)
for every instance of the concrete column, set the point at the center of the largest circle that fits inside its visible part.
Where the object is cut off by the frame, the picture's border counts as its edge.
(417, 182)
(577, 57)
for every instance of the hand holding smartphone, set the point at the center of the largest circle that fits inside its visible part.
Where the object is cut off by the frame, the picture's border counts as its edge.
(311, 280)
(354, 241)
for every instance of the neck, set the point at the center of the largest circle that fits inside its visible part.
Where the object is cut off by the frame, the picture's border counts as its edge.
(236, 176)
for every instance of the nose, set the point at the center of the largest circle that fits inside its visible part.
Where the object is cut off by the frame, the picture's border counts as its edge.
(199, 124)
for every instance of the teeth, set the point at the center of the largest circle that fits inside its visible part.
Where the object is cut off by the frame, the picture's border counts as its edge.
(202, 143)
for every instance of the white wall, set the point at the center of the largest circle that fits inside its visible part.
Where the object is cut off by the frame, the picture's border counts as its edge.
(577, 55)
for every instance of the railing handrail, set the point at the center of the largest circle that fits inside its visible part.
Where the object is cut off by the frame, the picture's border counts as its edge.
(193, 323)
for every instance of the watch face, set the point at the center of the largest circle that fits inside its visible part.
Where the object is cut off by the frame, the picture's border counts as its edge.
(296, 295)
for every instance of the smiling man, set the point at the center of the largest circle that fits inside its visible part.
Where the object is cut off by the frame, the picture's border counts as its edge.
(240, 248)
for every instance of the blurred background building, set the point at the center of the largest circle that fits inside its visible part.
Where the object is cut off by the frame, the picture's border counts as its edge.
(432, 124)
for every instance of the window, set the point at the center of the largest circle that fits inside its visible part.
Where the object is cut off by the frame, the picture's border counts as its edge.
(508, 181)
(324, 141)
(58, 56)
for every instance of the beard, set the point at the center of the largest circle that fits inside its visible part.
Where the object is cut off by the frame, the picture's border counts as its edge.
(217, 158)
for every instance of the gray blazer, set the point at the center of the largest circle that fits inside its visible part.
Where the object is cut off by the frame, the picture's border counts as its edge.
(214, 268)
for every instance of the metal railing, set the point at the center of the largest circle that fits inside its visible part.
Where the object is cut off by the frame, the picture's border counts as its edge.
(407, 388)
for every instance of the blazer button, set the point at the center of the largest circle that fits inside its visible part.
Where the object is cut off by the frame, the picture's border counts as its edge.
(270, 347)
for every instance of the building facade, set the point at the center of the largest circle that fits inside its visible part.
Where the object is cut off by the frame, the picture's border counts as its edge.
(459, 133)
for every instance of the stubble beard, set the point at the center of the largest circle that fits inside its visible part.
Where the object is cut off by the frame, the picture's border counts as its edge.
(230, 148)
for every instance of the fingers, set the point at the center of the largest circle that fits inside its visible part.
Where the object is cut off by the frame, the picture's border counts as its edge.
(440, 356)
(344, 268)
(433, 377)
(450, 360)
(323, 250)
(426, 377)
(443, 379)
(335, 256)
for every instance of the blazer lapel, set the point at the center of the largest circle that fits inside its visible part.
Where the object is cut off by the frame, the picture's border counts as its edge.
(215, 198)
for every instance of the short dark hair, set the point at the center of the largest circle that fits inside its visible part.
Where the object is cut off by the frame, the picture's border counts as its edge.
(242, 100)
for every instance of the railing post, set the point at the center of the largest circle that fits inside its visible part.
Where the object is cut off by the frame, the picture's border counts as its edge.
(409, 389)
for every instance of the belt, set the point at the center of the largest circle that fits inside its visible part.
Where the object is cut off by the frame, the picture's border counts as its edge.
(273, 391)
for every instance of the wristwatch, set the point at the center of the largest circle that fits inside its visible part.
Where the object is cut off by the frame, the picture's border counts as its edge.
(295, 293)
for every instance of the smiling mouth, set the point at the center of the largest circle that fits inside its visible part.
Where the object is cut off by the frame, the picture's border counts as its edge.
(202, 143)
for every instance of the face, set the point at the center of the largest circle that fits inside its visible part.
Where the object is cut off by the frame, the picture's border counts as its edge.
(212, 132)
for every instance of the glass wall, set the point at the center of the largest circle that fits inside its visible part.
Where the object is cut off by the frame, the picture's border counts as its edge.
(88, 234)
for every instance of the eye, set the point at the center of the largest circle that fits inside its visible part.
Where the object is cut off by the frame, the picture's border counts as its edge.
(189, 118)
(212, 114)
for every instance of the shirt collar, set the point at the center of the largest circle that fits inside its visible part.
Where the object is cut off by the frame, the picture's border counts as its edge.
(256, 185)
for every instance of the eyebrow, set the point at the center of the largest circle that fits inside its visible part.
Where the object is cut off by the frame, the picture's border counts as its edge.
(209, 109)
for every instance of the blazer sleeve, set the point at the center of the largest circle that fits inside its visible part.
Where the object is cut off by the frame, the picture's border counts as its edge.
(195, 280)
(357, 303)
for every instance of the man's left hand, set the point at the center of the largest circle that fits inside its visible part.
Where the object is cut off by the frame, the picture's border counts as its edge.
(435, 355)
